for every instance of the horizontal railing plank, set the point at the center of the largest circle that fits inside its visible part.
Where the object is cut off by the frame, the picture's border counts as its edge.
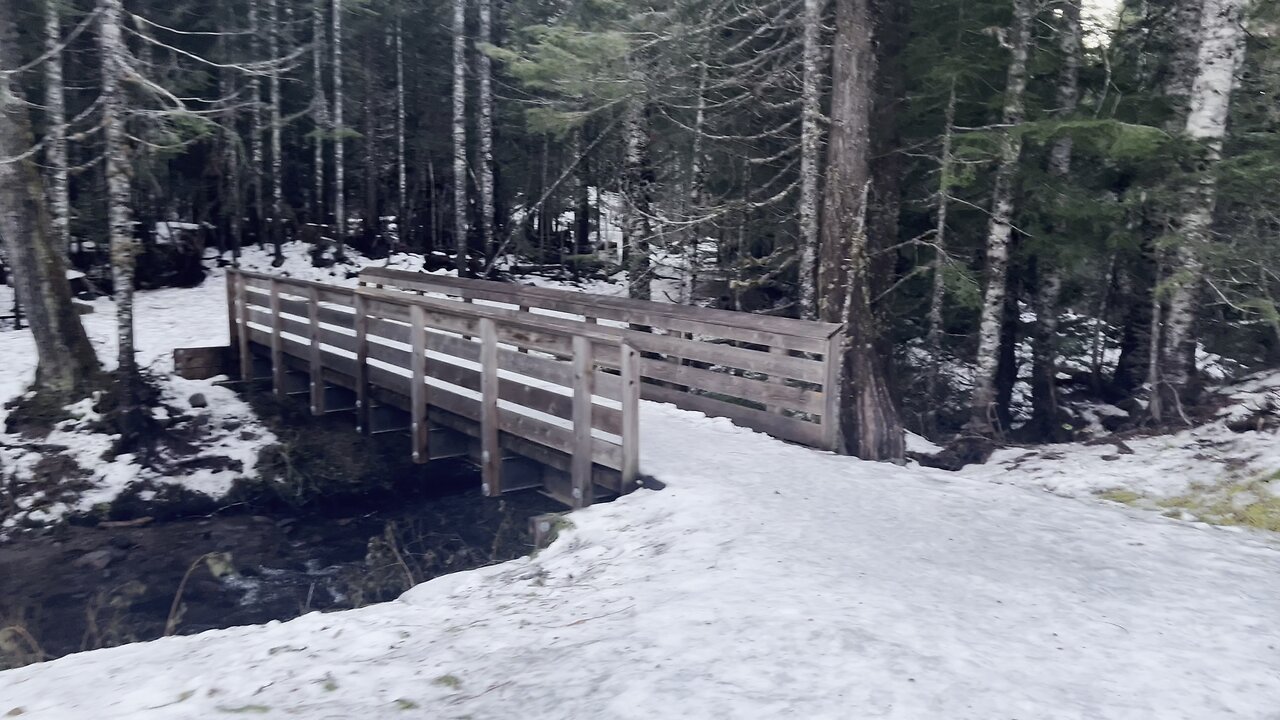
(688, 318)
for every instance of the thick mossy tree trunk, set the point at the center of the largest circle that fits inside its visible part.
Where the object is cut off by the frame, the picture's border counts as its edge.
(869, 421)
(67, 368)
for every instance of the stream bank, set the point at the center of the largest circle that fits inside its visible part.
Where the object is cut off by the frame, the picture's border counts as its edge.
(74, 588)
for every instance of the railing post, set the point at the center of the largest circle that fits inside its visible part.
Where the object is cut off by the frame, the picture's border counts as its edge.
(362, 364)
(317, 359)
(490, 451)
(629, 364)
(831, 388)
(418, 394)
(233, 324)
(242, 305)
(583, 389)
(277, 343)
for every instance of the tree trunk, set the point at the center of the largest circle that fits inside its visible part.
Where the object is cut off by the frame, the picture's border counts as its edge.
(461, 226)
(810, 157)
(119, 217)
(66, 368)
(1044, 366)
(372, 225)
(276, 226)
(256, 156)
(638, 178)
(938, 293)
(1000, 229)
(1221, 54)
(484, 126)
(890, 18)
(319, 110)
(339, 148)
(696, 198)
(869, 421)
(402, 189)
(56, 133)
(582, 197)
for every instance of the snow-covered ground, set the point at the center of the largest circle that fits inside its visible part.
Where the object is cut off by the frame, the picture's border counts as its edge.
(165, 319)
(767, 580)
(1188, 474)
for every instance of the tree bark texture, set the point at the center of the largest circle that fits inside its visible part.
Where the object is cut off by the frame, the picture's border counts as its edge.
(869, 421)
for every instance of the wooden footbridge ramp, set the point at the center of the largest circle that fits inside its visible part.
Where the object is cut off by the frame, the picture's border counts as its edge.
(541, 387)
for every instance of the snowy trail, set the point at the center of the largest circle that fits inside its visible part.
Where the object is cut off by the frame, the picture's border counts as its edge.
(766, 581)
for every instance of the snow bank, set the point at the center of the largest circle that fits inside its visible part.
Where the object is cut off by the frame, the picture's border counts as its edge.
(1158, 467)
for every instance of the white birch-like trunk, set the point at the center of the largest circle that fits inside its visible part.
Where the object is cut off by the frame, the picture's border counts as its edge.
(119, 217)
(635, 223)
(277, 127)
(256, 151)
(938, 294)
(1184, 17)
(1222, 48)
(810, 158)
(460, 224)
(339, 149)
(319, 109)
(1000, 227)
(484, 178)
(402, 185)
(697, 190)
(55, 108)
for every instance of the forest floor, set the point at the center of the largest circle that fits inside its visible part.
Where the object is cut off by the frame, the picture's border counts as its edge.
(769, 580)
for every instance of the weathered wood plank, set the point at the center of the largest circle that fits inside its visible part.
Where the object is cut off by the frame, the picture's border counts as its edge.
(831, 438)
(768, 392)
(630, 469)
(463, 413)
(362, 366)
(232, 312)
(418, 396)
(664, 315)
(277, 349)
(550, 334)
(780, 426)
(316, 359)
(490, 452)
(583, 373)
(246, 354)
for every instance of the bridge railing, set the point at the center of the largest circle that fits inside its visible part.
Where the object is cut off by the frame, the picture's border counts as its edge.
(564, 394)
(777, 375)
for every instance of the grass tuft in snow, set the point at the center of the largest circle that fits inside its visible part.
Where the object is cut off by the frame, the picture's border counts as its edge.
(1248, 503)
(1124, 497)
(450, 681)
(1252, 504)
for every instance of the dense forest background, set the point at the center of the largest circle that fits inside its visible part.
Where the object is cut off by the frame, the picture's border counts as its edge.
(1019, 208)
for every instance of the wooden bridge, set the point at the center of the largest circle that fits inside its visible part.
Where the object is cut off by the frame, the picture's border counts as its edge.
(540, 386)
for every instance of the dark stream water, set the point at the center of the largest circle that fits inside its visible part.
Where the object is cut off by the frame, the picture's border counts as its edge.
(77, 588)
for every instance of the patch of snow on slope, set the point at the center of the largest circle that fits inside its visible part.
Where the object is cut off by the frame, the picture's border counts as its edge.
(1160, 467)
